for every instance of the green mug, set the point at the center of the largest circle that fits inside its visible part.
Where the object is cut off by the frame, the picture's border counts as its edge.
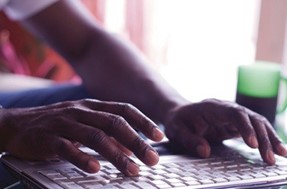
(258, 88)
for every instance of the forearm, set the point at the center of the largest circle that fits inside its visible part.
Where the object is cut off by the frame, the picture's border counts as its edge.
(2, 132)
(111, 69)
(121, 73)
(5, 130)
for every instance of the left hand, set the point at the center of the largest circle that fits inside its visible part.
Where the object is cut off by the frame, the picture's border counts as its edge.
(54, 130)
(196, 126)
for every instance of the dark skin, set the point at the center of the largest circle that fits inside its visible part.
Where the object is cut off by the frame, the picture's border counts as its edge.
(106, 127)
(114, 70)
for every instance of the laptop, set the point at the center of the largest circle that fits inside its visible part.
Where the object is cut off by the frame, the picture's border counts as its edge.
(231, 165)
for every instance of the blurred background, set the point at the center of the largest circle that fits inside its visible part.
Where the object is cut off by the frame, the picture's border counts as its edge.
(195, 44)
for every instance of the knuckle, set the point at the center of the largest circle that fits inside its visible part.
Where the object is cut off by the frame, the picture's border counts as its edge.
(69, 104)
(60, 146)
(139, 146)
(210, 102)
(127, 108)
(87, 101)
(235, 109)
(72, 110)
(120, 161)
(118, 122)
(264, 141)
(84, 101)
(259, 120)
(97, 137)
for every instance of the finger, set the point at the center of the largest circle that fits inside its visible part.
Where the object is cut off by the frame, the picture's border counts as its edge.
(100, 142)
(79, 109)
(241, 121)
(121, 147)
(265, 146)
(199, 125)
(225, 131)
(120, 129)
(277, 144)
(112, 125)
(192, 142)
(135, 117)
(66, 149)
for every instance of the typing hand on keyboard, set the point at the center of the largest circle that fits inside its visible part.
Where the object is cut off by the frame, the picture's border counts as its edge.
(106, 127)
(195, 127)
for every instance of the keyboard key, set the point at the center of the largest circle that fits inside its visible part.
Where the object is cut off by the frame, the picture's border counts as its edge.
(73, 185)
(111, 187)
(129, 186)
(267, 173)
(160, 184)
(192, 183)
(245, 177)
(178, 184)
(56, 176)
(219, 180)
(146, 173)
(160, 172)
(188, 179)
(173, 180)
(144, 185)
(201, 173)
(257, 175)
(91, 185)
(206, 181)
(204, 177)
(156, 177)
(172, 175)
(232, 178)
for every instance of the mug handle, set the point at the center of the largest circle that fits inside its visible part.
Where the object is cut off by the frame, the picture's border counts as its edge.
(283, 105)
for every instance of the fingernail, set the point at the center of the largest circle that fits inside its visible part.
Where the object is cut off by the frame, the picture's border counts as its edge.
(152, 158)
(157, 134)
(93, 166)
(133, 169)
(202, 151)
(253, 141)
(270, 156)
(282, 150)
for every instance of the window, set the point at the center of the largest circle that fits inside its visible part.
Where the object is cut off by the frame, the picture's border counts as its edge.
(196, 45)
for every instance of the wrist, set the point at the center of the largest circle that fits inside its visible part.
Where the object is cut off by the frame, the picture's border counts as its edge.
(168, 106)
(1, 131)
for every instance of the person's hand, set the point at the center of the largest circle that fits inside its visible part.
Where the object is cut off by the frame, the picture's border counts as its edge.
(197, 126)
(106, 127)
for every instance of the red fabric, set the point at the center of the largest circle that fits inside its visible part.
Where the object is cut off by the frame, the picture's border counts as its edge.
(22, 53)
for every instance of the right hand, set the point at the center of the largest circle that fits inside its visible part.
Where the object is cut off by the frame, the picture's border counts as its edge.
(106, 127)
(197, 126)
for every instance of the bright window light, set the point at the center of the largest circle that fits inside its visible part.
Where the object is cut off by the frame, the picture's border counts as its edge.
(196, 44)
(207, 41)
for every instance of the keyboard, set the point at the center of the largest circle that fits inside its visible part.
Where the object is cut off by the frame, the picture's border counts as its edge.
(226, 168)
